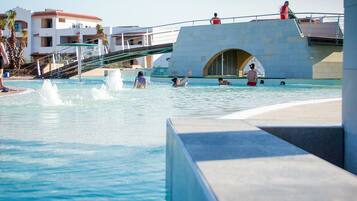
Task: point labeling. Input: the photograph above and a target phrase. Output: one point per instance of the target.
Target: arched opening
(20, 25)
(231, 63)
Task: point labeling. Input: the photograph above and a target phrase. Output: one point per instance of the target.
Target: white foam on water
(16, 175)
(49, 162)
(101, 94)
(49, 94)
(47, 149)
(114, 81)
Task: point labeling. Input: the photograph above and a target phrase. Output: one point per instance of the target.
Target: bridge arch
(234, 63)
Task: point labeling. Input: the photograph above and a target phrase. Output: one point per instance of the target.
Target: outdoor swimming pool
(89, 143)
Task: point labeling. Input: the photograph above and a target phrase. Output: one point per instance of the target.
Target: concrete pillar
(349, 91)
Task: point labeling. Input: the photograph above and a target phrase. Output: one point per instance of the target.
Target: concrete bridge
(286, 49)
(303, 48)
(94, 62)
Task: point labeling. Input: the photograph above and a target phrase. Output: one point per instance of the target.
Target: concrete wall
(329, 67)
(183, 180)
(349, 95)
(277, 44)
(324, 142)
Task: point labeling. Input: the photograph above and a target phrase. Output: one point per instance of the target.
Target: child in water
(221, 81)
(179, 83)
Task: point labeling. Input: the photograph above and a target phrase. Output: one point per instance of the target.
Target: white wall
(161, 60)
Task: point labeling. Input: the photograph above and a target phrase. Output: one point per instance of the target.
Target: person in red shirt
(284, 11)
(215, 19)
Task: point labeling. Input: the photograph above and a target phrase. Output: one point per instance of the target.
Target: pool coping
(246, 114)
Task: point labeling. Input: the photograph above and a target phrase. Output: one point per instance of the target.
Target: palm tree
(3, 23)
(103, 37)
(11, 41)
(14, 49)
(20, 49)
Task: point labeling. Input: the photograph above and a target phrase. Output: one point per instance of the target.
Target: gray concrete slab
(238, 161)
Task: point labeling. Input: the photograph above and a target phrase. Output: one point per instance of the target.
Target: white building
(47, 29)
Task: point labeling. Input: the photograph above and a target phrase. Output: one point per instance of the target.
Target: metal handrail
(236, 17)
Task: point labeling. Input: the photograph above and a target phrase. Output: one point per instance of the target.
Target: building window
(17, 27)
(20, 25)
(46, 41)
(69, 39)
(62, 20)
(46, 23)
(118, 41)
(133, 62)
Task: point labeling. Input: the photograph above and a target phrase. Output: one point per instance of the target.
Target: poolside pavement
(319, 113)
(12, 91)
(239, 159)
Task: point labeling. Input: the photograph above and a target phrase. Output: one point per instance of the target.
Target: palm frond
(3, 23)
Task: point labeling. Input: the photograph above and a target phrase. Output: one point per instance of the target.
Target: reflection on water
(31, 170)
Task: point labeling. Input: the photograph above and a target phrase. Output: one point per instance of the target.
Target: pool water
(94, 144)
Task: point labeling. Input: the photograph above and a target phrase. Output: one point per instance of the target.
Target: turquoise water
(111, 146)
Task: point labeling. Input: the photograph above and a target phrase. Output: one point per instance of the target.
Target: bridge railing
(168, 33)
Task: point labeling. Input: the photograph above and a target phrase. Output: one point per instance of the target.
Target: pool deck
(12, 91)
(319, 113)
(239, 159)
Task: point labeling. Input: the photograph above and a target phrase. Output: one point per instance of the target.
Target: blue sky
(155, 12)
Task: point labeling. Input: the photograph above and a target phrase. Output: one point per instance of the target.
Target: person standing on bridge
(284, 11)
(215, 19)
(4, 61)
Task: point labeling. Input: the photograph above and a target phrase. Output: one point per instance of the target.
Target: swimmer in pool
(179, 83)
(140, 81)
(221, 81)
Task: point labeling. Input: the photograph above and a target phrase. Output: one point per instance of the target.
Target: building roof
(60, 13)
(129, 33)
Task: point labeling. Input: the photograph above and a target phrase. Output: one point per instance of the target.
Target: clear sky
(156, 12)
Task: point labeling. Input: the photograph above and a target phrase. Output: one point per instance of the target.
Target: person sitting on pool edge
(252, 76)
(140, 81)
(179, 83)
(221, 81)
